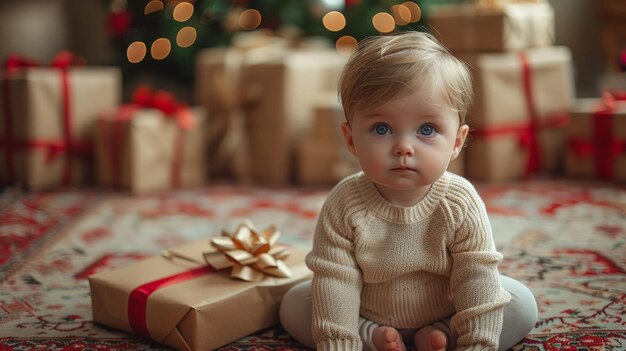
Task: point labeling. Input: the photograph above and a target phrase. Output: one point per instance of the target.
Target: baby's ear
(459, 141)
(347, 136)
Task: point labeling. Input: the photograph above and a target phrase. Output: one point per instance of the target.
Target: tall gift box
(219, 91)
(521, 107)
(181, 302)
(287, 89)
(150, 151)
(508, 27)
(596, 140)
(47, 118)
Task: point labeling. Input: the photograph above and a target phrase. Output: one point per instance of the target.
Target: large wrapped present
(181, 301)
(596, 140)
(151, 145)
(521, 106)
(288, 89)
(510, 27)
(47, 118)
(260, 100)
(219, 90)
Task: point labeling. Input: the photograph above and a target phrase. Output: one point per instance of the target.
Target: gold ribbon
(251, 254)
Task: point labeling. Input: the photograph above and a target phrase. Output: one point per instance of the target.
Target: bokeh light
(160, 48)
(345, 45)
(136, 52)
(183, 11)
(250, 19)
(401, 14)
(153, 6)
(416, 12)
(334, 21)
(186, 37)
(384, 22)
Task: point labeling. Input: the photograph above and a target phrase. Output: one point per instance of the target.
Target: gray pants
(520, 316)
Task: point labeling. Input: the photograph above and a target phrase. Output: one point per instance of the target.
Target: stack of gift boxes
(523, 86)
(259, 102)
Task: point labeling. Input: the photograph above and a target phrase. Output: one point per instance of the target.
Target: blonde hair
(384, 66)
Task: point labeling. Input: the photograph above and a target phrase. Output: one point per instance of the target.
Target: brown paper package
(148, 151)
(500, 102)
(510, 27)
(199, 314)
(36, 105)
(582, 127)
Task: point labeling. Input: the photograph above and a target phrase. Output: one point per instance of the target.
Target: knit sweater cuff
(339, 345)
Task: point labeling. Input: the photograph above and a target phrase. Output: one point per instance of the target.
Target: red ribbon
(603, 144)
(145, 97)
(55, 148)
(527, 133)
(138, 298)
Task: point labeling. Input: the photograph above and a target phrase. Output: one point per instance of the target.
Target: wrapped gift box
(596, 140)
(149, 151)
(219, 90)
(288, 89)
(510, 27)
(49, 144)
(263, 98)
(521, 106)
(186, 305)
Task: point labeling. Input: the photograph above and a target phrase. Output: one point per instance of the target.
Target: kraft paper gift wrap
(521, 106)
(197, 308)
(260, 99)
(510, 27)
(596, 140)
(150, 152)
(288, 89)
(51, 148)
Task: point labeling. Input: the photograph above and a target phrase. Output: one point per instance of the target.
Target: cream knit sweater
(405, 267)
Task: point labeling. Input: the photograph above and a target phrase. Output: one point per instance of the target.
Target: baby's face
(407, 144)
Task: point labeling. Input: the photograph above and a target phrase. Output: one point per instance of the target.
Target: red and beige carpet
(565, 240)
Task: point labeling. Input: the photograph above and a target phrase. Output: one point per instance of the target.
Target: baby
(403, 252)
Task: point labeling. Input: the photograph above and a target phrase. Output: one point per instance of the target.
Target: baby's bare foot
(387, 339)
(430, 339)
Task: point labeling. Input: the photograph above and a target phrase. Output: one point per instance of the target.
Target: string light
(334, 21)
(416, 11)
(384, 22)
(153, 6)
(345, 45)
(186, 36)
(401, 14)
(250, 19)
(136, 52)
(160, 48)
(183, 11)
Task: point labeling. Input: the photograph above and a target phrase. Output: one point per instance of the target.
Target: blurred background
(264, 72)
(102, 30)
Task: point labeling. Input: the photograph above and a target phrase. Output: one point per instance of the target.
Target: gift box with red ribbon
(596, 139)
(47, 118)
(152, 144)
(520, 111)
(493, 27)
(202, 295)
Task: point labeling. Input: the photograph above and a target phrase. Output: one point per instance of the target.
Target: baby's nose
(403, 148)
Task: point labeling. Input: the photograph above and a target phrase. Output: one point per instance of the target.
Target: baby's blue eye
(381, 129)
(427, 130)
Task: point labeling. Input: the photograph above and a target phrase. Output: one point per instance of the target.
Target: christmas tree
(163, 36)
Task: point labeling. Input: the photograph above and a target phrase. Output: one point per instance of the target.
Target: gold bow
(251, 254)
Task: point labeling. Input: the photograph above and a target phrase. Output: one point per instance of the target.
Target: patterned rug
(565, 240)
